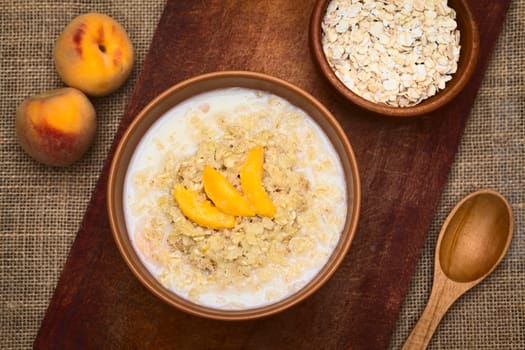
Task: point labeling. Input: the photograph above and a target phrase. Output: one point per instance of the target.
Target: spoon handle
(444, 293)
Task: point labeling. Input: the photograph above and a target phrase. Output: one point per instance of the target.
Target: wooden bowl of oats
(399, 59)
(233, 195)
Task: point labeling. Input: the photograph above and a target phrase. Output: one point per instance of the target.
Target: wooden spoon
(472, 242)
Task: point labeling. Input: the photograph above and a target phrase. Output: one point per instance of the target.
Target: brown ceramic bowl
(181, 92)
(469, 41)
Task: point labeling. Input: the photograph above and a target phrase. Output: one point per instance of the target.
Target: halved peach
(251, 182)
(200, 210)
(222, 193)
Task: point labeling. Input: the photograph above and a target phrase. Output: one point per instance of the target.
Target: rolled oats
(396, 52)
(301, 178)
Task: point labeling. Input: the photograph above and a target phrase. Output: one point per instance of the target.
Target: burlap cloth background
(41, 208)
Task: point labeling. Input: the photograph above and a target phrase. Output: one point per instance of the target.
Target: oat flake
(396, 53)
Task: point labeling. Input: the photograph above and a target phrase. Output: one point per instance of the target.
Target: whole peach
(57, 127)
(94, 54)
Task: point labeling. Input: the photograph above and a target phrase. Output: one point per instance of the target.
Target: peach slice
(94, 54)
(251, 182)
(222, 193)
(200, 210)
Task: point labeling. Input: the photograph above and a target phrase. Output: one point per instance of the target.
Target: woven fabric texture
(41, 208)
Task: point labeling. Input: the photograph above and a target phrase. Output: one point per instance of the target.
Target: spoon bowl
(475, 237)
(473, 241)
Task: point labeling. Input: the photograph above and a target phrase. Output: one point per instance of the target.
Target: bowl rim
(117, 174)
(429, 105)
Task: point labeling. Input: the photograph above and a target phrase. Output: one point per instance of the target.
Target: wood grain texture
(98, 303)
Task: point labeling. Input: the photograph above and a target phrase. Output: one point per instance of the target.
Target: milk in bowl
(194, 188)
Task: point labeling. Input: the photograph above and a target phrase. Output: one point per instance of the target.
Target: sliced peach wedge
(222, 193)
(251, 182)
(200, 210)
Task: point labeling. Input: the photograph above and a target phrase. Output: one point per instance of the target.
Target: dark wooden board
(99, 304)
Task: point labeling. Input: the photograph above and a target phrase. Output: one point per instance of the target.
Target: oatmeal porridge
(257, 256)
